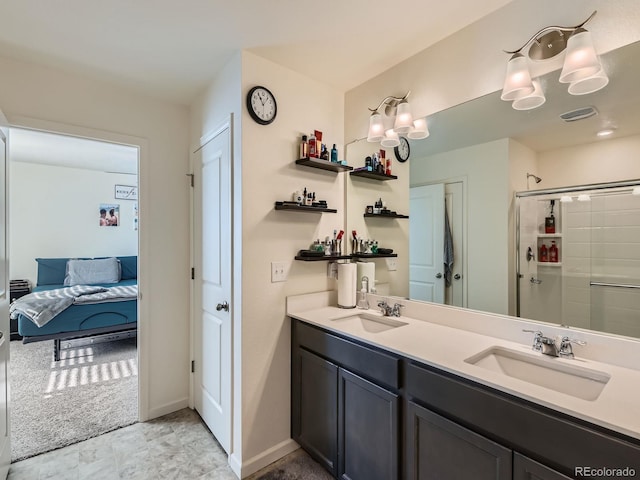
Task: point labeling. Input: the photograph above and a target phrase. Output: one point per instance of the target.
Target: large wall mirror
(478, 155)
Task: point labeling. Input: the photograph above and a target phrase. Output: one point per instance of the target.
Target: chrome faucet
(560, 347)
(389, 311)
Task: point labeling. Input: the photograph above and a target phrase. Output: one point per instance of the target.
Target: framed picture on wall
(126, 192)
(109, 215)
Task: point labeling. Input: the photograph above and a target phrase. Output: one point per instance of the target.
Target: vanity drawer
(369, 362)
(557, 440)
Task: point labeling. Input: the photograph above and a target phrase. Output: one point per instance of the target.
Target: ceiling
(33, 146)
(488, 118)
(174, 49)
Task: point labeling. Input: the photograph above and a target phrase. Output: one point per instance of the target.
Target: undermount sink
(368, 322)
(553, 373)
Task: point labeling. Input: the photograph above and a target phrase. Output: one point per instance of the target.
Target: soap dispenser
(363, 303)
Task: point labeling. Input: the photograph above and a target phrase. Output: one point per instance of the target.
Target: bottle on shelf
(550, 221)
(553, 252)
(543, 256)
(304, 147)
(334, 154)
(313, 153)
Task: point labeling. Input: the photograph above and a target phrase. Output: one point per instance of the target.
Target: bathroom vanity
(433, 395)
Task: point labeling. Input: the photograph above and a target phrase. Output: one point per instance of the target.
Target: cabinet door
(368, 430)
(315, 407)
(439, 449)
(526, 469)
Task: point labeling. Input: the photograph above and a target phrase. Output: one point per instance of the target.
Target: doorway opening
(73, 233)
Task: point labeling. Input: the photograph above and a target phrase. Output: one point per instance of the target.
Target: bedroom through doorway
(73, 264)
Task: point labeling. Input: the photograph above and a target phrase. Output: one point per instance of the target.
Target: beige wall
(266, 155)
(484, 170)
(598, 162)
(79, 104)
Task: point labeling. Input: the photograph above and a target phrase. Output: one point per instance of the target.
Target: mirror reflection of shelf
(304, 208)
(384, 215)
(372, 175)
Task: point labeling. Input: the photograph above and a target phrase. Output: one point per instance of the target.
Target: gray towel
(448, 249)
(41, 307)
(121, 293)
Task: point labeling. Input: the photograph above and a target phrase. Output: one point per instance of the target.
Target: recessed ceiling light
(605, 132)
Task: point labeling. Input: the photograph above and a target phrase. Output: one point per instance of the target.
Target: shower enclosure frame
(555, 191)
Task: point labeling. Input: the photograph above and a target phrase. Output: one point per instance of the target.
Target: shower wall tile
(577, 219)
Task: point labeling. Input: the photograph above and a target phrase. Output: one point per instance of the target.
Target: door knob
(223, 306)
(438, 275)
(457, 276)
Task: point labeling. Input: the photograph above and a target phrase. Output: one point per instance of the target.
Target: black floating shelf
(323, 164)
(305, 208)
(323, 258)
(372, 175)
(384, 215)
(373, 255)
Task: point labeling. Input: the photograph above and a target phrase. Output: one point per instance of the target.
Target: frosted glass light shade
(517, 82)
(566, 199)
(404, 119)
(390, 139)
(419, 130)
(636, 191)
(584, 198)
(531, 101)
(590, 84)
(581, 60)
(376, 128)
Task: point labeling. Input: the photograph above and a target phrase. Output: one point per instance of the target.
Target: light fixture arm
(390, 101)
(550, 29)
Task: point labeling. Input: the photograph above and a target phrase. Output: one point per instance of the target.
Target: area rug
(90, 391)
(295, 466)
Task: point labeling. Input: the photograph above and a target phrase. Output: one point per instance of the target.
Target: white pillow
(91, 272)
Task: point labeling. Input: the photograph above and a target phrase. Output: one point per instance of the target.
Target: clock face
(262, 105)
(402, 151)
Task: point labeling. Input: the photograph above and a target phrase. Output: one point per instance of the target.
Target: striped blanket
(41, 307)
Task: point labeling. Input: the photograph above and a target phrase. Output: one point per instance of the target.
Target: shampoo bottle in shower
(543, 256)
(550, 221)
(553, 252)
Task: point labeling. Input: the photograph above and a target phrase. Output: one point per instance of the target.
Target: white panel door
(426, 243)
(212, 281)
(5, 446)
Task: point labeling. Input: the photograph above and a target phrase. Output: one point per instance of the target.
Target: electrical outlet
(332, 270)
(392, 264)
(279, 271)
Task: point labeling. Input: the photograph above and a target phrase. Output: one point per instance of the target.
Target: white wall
(598, 162)
(54, 213)
(485, 171)
(265, 172)
(78, 104)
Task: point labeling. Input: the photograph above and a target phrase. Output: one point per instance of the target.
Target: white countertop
(444, 347)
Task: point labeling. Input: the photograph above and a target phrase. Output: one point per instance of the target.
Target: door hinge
(193, 366)
(193, 273)
(190, 175)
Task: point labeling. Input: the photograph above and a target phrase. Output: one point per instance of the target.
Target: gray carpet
(90, 391)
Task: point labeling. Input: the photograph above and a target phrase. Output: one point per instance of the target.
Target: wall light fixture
(582, 68)
(399, 121)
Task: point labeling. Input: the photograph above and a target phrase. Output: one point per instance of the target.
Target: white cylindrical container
(367, 269)
(347, 273)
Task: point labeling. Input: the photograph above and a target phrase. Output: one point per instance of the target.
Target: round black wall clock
(402, 151)
(262, 105)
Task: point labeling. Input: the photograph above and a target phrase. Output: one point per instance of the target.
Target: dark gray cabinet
(368, 414)
(439, 449)
(315, 396)
(526, 469)
(345, 410)
(368, 429)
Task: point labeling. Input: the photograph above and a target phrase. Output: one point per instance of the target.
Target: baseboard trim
(263, 459)
(167, 408)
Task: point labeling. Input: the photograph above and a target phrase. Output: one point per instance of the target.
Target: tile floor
(176, 446)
